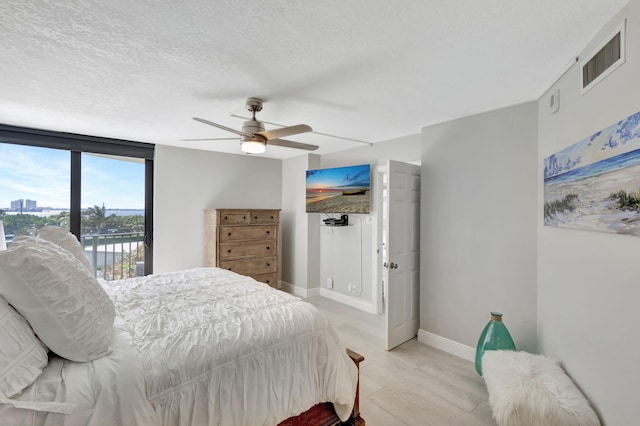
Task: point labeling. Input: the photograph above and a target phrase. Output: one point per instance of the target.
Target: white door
(403, 253)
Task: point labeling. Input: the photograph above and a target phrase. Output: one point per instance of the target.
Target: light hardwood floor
(413, 384)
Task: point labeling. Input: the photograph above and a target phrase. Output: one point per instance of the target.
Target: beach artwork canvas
(595, 184)
(339, 190)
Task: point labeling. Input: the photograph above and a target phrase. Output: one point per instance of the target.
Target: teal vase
(494, 336)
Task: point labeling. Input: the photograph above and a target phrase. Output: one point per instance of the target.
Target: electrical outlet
(349, 288)
(329, 282)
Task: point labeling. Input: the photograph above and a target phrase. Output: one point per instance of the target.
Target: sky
(619, 138)
(43, 175)
(340, 177)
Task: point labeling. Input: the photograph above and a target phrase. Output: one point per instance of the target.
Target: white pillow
(67, 241)
(62, 301)
(22, 355)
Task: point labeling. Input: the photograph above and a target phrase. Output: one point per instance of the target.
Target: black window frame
(77, 144)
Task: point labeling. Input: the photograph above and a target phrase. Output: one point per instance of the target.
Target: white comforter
(201, 347)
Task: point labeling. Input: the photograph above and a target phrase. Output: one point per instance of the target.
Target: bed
(199, 347)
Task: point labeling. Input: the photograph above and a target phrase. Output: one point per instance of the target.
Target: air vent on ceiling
(606, 58)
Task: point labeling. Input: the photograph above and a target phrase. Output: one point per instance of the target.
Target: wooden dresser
(244, 241)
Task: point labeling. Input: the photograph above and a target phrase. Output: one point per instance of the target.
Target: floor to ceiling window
(99, 189)
(34, 188)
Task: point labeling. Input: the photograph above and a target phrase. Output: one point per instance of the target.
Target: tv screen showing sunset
(339, 190)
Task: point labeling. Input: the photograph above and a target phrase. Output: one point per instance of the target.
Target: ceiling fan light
(253, 147)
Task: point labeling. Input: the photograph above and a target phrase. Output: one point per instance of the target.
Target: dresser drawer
(240, 233)
(271, 279)
(247, 249)
(264, 217)
(234, 217)
(260, 265)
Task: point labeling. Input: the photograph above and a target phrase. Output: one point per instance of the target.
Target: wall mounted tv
(339, 190)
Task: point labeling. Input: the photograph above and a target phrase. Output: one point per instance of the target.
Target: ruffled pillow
(62, 301)
(22, 355)
(67, 241)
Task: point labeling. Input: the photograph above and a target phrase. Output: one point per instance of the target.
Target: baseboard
(348, 300)
(329, 294)
(299, 291)
(447, 345)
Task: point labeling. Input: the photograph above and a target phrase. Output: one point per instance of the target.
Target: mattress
(202, 346)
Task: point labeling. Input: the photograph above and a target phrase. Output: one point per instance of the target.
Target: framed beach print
(595, 183)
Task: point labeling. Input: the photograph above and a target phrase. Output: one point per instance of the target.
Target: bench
(533, 390)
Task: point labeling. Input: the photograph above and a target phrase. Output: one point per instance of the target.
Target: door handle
(390, 265)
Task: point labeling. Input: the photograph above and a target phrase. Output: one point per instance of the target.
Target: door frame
(379, 274)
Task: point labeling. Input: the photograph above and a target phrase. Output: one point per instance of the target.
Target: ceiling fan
(254, 138)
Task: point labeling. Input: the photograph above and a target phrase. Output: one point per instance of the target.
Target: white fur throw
(533, 390)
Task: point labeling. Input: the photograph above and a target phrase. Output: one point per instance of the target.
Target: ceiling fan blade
(228, 129)
(291, 144)
(316, 132)
(285, 131)
(210, 139)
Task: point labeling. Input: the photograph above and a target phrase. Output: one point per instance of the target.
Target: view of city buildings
(24, 205)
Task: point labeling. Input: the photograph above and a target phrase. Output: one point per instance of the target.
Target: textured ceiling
(370, 70)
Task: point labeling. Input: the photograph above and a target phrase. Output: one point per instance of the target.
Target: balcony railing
(115, 256)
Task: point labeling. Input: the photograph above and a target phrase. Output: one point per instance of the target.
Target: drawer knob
(229, 268)
(225, 218)
(268, 264)
(268, 248)
(268, 281)
(255, 217)
(268, 232)
(271, 217)
(229, 251)
(229, 233)
(244, 217)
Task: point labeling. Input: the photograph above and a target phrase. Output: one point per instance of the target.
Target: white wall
(406, 148)
(346, 257)
(187, 181)
(478, 225)
(588, 286)
(300, 231)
